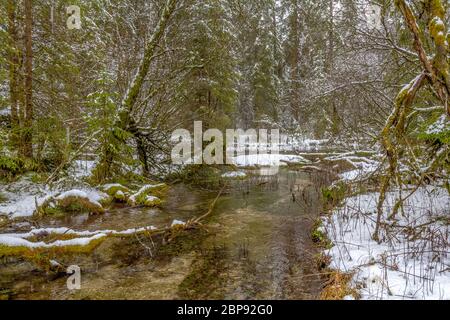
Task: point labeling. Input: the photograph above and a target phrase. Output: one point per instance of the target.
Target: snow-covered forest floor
(412, 261)
(21, 197)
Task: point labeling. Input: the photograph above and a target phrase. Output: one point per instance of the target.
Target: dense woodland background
(317, 69)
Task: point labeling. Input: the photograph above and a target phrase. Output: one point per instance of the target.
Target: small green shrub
(334, 194)
(319, 237)
(203, 176)
(11, 167)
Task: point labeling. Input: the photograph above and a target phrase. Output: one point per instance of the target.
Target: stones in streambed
(177, 223)
(73, 201)
(149, 195)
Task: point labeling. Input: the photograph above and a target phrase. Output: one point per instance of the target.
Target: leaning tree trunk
(134, 89)
(125, 119)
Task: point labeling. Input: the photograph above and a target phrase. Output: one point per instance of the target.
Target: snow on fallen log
(9, 241)
(81, 238)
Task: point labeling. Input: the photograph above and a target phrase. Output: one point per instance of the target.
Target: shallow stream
(256, 245)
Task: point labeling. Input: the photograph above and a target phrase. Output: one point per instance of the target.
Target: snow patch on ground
(364, 166)
(83, 168)
(23, 196)
(413, 260)
(267, 160)
(234, 174)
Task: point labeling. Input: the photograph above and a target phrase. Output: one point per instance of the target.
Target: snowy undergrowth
(363, 166)
(83, 168)
(412, 261)
(24, 195)
(301, 144)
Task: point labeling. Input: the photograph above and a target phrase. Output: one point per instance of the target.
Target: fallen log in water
(49, 243)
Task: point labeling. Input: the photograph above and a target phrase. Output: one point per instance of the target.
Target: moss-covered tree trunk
(437, 67)
(135, 87)
(125, 119)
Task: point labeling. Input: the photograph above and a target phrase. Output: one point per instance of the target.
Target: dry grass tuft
(338, 286)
